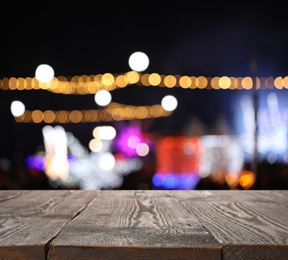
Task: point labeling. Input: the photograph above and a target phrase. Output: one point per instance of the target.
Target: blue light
(157, 179)
(35, 162)
(170, 181)
(179, 181)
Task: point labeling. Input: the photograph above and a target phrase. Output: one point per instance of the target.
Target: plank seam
(49, 242)
(205, 228)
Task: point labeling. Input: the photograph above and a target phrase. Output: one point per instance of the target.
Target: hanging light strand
(83, 85)
(113, 112)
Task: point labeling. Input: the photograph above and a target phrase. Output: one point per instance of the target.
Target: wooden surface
(144, 225)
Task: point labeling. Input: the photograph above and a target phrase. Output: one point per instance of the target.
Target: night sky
(78, 38)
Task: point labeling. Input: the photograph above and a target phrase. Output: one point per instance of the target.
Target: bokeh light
(142, 149)
(169, 103)
(103, 98)
(44, 73)
(17, 108)
(138, 61)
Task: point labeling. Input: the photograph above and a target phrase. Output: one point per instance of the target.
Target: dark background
(185, 38)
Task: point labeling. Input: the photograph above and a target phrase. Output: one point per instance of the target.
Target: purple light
(35, 162)
(176, 181)
(127, 140)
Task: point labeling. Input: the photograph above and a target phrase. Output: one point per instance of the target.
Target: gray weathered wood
(135, 225)
(143, 224)
(30, 221)
(10, 194)
(247, 225)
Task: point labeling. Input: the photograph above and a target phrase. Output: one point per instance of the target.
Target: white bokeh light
(103, 98)
(107, 161)
(142, 149)
(138, 61)
(169, 103)
(44, 73)
(17, 108)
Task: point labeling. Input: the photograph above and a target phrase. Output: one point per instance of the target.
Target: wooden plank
(29, 222)
(131, 225)
(10, 194)
(275, 196)
(245, 223)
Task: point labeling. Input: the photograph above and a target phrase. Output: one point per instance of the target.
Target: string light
(114, 111)
(83, 85)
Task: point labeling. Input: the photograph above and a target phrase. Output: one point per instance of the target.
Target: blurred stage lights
(17, 108)
(138, 61)
(44, 73)
(169, 103)
(103, 98)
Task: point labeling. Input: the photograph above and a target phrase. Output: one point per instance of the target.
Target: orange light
(132, 77)
(247, 179)
(107, 79)
(185, 82)
(247, 83)
(154, 79)
(170, 81)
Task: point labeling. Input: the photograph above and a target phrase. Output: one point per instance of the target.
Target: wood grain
(135, 226)
(30, 221)
(10, 194)
(143, 225)
(244, 223)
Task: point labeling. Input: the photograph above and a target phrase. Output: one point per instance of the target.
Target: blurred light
(95, 145)
(224, 82)
(157, 179)
(132, 77)
(180, 181)
(247, 179)
(60, 165)
(154, 79)
(247, 83)
(185, 82)
(142, 149)
(170, 181)
(133, 141)
(107, 79)
(37, 116)
(35, 162)
(201, 82)
(232, 179)
(169, 103)
(121, 81)
(103, 98)
(104, 132)
(44, 73)
(17, 108)
(138, 61)
(170, 81)
(107, 161)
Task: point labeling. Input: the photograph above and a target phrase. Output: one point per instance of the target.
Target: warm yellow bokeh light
(224, 82)
(107, 79)
(121, 81)
(247, 83)
(170, 81)
(132, 77)
(201, 82)
(185, 82)
(278, 83)
(37, 116)
(154, 79)
(215, 83)
(49, 116)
